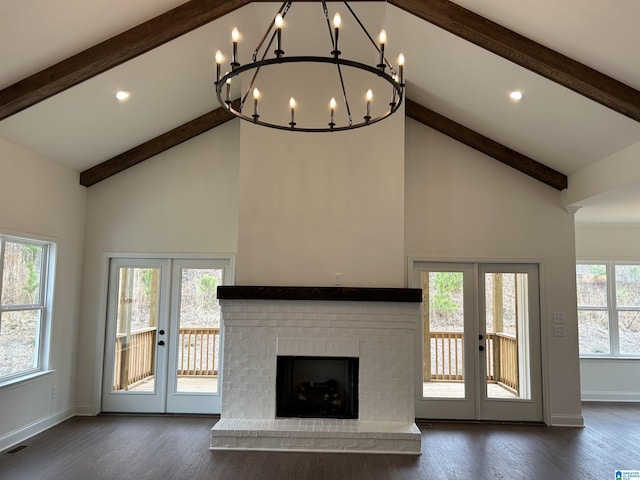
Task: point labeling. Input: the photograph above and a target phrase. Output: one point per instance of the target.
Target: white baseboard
(567, 421)
(20, 435)
(610, 396)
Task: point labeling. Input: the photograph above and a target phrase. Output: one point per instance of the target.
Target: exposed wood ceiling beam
(487, 146)
(423, 115)
(443, 13)
(527, 53)
(112, 52)
(154, 146)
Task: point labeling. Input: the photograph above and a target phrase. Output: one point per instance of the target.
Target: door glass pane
(507, 335)
(135, 338)
(443, 338)
(199, 331)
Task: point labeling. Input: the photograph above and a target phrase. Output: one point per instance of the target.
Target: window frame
(43, 305)
(611, 308)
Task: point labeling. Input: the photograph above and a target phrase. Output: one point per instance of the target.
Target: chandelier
(354, 98)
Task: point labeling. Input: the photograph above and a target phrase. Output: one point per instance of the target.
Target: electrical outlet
(337, 279)
(54, 391)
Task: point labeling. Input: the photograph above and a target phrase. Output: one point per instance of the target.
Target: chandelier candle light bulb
(292, 104)
(369, 97)
(401, 69)
(228, 101)
(332, 107)
(218, 62)
(279, 21)
(235, 36)
(382, 38)
(256, 96)
(337, 22)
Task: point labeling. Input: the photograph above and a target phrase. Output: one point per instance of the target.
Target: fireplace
(365, 339)
(317, 387)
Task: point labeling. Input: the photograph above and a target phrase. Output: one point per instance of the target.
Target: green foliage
(597, 270)
(32, 281)
(445, 285)
(209, 286)
(146, 277)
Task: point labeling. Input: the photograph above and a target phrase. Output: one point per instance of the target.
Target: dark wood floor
(170, 447)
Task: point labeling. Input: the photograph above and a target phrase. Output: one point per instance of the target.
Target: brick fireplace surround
(376, 325)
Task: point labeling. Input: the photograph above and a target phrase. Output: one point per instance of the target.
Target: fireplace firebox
(317, 387)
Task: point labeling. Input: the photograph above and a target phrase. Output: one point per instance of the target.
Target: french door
(480, 342)
(163, 338)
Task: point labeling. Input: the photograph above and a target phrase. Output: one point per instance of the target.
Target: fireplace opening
(317, 387)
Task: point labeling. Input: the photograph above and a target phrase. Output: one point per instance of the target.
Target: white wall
(462, 205)
(181, 201)
(316, 204)
(458, 205)
(42, 198)
(609, 379)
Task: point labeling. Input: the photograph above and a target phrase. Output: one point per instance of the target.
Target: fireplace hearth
(312, 345)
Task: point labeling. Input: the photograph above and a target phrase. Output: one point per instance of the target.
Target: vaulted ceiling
(575, 60)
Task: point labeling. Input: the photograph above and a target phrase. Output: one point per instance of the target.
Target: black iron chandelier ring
(224, 96)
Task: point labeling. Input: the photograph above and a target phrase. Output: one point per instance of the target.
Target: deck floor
(456, 390)
(185, 385)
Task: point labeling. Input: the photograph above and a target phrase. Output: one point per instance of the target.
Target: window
(609, 308)
(24, 292)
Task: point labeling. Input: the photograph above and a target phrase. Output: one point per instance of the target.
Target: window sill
(19, 381)
(610, 357)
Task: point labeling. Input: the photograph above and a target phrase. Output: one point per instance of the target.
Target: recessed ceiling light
(516, 95)
(122, 95)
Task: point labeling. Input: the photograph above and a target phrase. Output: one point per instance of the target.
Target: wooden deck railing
(447, 357)
(134, 358)
(198, 353)
(198, 350)
(506, 358)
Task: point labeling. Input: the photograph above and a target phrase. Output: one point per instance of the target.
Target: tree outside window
(608, 309)
(23, 273)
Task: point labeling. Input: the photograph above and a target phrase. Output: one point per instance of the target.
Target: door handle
(161, 343)
(161, 332)
(481, 348)
(480, 337)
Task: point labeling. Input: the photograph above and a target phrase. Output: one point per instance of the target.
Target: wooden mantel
(346, 294)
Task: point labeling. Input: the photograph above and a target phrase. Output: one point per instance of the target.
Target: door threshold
(158, 414)
(427, 421)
